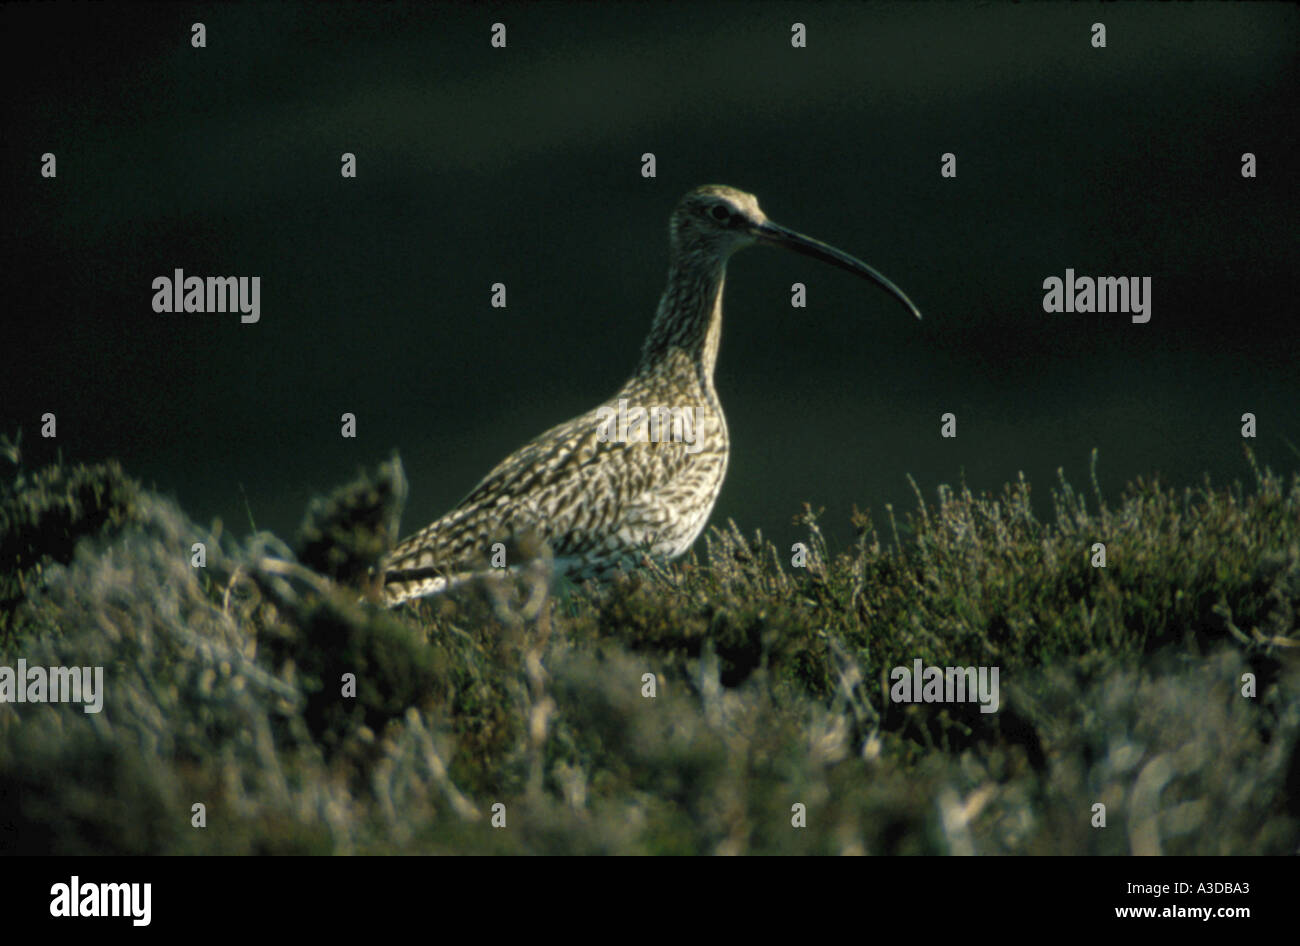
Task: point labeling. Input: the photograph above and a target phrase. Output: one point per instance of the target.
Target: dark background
(478, 165)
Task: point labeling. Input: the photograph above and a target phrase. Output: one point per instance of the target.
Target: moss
(345, 534)
(389, 666)
(44, 515)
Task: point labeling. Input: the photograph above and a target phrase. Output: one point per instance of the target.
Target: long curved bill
(778, 235)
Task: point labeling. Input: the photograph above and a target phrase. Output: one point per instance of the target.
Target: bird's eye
(720, 213)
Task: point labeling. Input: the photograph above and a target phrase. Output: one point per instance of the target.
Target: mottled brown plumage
(602, 503)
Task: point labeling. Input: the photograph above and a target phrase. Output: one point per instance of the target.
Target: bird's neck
(688, 325)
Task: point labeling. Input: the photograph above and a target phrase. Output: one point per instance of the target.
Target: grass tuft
(227, 685)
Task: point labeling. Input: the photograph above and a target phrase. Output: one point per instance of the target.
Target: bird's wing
(567, 486)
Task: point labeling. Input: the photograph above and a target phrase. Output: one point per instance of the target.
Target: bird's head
(715, 221)
(712, 222)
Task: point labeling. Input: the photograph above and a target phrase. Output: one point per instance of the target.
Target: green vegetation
(1120, 685)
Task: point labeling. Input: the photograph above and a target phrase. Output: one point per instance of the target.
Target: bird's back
(596, 500)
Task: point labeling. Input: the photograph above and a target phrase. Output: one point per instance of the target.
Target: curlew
(638, 475)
